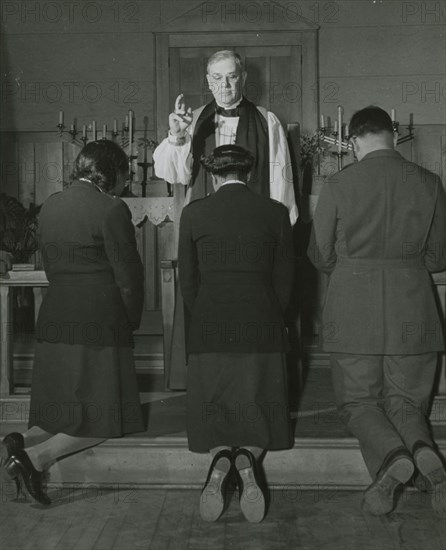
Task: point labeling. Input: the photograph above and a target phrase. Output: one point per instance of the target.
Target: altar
(155, 220)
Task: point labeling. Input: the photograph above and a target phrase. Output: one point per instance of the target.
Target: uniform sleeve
(188, 271)
(281, 177)
(122, 253)
(284, 263)
(321, 249)
(435, 255)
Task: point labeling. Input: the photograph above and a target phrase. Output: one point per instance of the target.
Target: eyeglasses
(234, 77)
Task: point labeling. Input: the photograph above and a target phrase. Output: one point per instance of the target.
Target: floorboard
(170, 520)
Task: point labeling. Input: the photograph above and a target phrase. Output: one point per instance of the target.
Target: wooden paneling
(48, 162)
(26, 173)
(109, 80)
(430, 149)
(373, 40)
(405, 94)
(9, 166)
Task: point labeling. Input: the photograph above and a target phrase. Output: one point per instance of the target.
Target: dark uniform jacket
(235, 269)
(379, 228)
(95, 294)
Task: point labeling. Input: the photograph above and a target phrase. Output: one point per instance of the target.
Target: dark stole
(252, 133)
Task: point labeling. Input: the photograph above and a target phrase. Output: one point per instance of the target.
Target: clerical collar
(231, 110)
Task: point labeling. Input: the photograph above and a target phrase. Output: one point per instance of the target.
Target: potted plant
(18, 239)
(18, 228)
(311, 154)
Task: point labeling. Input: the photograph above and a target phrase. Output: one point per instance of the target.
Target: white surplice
(173, 162)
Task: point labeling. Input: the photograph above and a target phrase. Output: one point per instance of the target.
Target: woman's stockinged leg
(46, 453)
(224, 463)
(242, 461)
(35, 435)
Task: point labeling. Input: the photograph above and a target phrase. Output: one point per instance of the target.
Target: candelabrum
(125, 138)
(408, 137)
(145, 144)
(338, 138)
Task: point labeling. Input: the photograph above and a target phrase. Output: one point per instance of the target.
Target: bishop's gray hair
(226, 54)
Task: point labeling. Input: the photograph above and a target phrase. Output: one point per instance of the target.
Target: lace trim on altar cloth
(155, 209)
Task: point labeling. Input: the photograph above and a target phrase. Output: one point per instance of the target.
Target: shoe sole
(401, 470)
(379, 499)
(431, 466)
(253, 507)
(427, 461)
(212, 500)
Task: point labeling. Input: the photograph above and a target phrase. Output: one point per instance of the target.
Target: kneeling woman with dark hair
(236, 267)
(84, 386)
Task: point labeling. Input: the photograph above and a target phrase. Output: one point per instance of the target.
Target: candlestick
(130, 116)
(126, 137)
(340, 129)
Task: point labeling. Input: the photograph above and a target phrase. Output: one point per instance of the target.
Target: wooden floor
(126, 519)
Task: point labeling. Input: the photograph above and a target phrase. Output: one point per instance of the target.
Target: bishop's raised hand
(181, 118)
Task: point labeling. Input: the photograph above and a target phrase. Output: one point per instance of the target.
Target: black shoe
(212, 498)
(12, 443)
(252, 498)
(20, 467)
(431, 467)
(398, 468)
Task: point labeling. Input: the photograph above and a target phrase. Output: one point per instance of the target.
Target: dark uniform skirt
(85, 391)
(236, 400)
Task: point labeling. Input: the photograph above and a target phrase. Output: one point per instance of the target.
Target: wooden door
(274, 82)
(274, 77)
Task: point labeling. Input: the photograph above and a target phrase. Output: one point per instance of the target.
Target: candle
(72, 127)
(104, 131)
(60, 117)
(115, 126)
(322, 121)
(340, 128)
(130, 132)
(335, 126)
(346, 131)
(393, 115)
(126, 121)
(84, 131)
(94, 130)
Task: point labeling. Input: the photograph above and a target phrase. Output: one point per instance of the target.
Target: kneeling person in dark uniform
(379, 229)
(236, 270)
